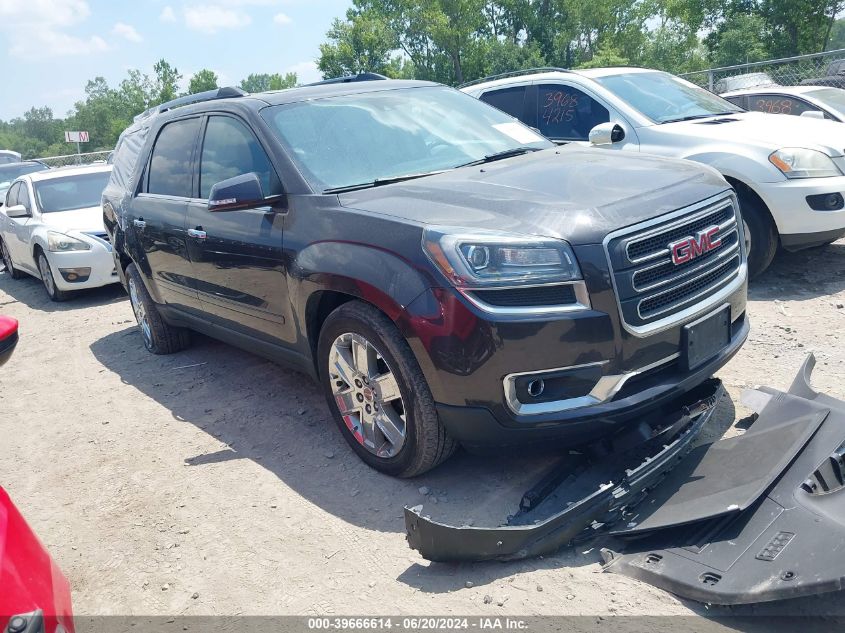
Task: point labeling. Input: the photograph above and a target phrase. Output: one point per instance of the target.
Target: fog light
(536, 388)
(826, 202)
(75, 275)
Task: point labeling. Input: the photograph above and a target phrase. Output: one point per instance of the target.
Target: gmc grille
(651, 287)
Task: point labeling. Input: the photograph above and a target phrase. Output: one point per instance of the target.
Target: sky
(49, 49)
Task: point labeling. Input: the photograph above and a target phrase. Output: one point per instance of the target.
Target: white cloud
(36, 29)
(211, 18)
(282, 19)
(306, 72)
(167, 14)
(127, 31)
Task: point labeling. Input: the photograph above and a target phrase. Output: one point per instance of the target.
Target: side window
(12, 195)
(739, 100)
(230, 149)
(510, 100)
(779, 104)
(170, 165)
(23, 196)
(566, 113)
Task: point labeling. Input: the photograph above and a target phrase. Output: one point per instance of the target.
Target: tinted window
(230, 149)
(510, 100)
(359, 138)
(567, 113)
(779, 104)
(740, 101)
(170, 165)
(71, 192)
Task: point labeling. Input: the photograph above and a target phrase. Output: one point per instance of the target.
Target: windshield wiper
(692, 117)
(508, 153)
(378, 182)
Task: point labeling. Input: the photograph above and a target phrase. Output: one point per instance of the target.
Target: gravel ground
(213, 482)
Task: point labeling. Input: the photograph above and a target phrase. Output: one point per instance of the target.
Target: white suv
(787, 171)
(51, 226)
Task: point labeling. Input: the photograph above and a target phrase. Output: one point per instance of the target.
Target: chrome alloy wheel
(46, 274)
(367, 395)
(140, 313)
(7, 259)
(747, 233)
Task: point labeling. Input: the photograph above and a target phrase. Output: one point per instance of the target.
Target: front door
(157, 218)
(19, 238)
(237, 255)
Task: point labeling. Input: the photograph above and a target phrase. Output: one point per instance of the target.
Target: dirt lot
(213, 482)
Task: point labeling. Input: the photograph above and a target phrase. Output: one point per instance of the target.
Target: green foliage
(203, 80)
(263, 82)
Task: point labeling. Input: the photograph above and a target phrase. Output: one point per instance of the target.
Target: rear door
(158, 214)
(237, 255)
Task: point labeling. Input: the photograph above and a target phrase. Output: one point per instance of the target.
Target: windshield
(366, 137)
(664, 98)
(832, 97)
(9, 172)
(70, 192)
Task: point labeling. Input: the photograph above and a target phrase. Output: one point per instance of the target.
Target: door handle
(197, 233)
(139, 223)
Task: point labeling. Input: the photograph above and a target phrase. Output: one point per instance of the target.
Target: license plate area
(705, 338)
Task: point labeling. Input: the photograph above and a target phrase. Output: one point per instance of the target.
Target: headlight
(795, 162)
(61, 243)
(489, 258)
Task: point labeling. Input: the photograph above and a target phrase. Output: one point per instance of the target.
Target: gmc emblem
(688, 248)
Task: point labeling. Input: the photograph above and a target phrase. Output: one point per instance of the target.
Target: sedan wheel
(47, 278)
(7, 261)
(367, 395)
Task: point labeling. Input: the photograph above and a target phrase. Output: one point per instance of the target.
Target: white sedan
(51, 227)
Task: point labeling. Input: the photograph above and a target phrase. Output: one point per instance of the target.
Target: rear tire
(761, 234)
(13, 272)
(48, 279)
(159, 337)
(423, 442)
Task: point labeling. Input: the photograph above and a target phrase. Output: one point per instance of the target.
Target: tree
(166, 83)
(359, 44)
(262, 82)
(202, 80)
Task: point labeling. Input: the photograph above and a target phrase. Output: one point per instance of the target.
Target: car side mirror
(813, 114)
(18, 211)
(606, 134)
(240, 192)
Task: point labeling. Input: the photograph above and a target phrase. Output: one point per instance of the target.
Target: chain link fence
(820, 69)
(87, 158)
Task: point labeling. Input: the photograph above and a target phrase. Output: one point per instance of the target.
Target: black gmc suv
(447, 274)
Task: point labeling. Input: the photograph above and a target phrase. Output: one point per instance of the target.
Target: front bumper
(467, 356)
(98, 260)
(798, 224)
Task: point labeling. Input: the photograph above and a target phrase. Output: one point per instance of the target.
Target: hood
(770, 131)
(89, 219)
(572, 193)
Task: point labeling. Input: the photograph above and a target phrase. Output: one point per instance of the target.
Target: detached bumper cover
(790, 542)
(590, 494)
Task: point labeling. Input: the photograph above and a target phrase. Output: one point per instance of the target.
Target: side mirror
(18, 211)
(240, 192)
(606, 134)
(813, 114)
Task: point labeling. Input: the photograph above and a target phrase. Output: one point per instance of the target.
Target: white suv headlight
(477, 259)
(61, 243)
(795, 162)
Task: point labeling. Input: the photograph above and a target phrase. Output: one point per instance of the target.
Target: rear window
(9, 172)
(70, 192)
(125, 156)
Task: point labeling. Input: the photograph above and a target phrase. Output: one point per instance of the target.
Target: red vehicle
(34, 594)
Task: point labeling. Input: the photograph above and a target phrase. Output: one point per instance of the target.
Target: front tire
(159, 337)
(761, 235)
(13, 272)
(48, 280)
(377, 393)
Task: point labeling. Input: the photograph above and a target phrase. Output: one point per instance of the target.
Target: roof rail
(350, 79)
(516, 73)
(226, 92)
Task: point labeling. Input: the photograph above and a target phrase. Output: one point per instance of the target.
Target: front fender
(743, 166)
